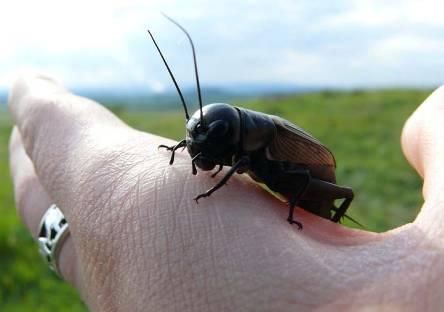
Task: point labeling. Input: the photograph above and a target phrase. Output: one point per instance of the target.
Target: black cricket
(270, 149)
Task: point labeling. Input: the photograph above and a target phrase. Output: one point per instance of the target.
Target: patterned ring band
(53, 231)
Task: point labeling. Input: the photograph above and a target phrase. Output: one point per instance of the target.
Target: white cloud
(393, 48)
(103, 43)
(390, 13)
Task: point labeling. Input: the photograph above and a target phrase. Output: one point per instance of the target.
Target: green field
(362, 128)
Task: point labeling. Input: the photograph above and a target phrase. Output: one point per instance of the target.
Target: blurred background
(349, 72)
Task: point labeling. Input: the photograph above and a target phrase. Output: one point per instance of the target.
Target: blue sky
(104, 44)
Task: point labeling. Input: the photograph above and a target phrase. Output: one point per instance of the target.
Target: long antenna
(354, 221)
(195, 65)
(172, 76)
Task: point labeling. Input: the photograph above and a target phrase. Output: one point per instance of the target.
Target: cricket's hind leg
(323, 191)
(320, 208)
(318, 196)
(340, 212)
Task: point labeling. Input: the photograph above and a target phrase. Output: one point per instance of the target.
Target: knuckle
(45, 122)
(58, 118)
(35, 119)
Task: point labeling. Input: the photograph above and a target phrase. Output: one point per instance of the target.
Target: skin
(140, 243)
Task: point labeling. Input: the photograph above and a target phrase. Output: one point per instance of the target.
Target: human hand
(139, 242)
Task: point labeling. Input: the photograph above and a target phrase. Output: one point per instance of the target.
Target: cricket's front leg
(173, 149)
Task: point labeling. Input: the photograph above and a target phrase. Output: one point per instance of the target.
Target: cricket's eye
(217, 129)
(200, 128)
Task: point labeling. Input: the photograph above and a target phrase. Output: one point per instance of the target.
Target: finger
(44, 112)
(423, 144)
(32, 201)
(58, 130)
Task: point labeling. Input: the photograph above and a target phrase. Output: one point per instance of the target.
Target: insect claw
(299, 224)
(197, 198)
(169, 148)
(200, 196)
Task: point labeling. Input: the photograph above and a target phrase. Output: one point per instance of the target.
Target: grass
(362, 128)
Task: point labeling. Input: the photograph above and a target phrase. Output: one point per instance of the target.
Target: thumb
(423, 145)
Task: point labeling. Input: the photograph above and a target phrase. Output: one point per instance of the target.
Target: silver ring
(53, 231)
